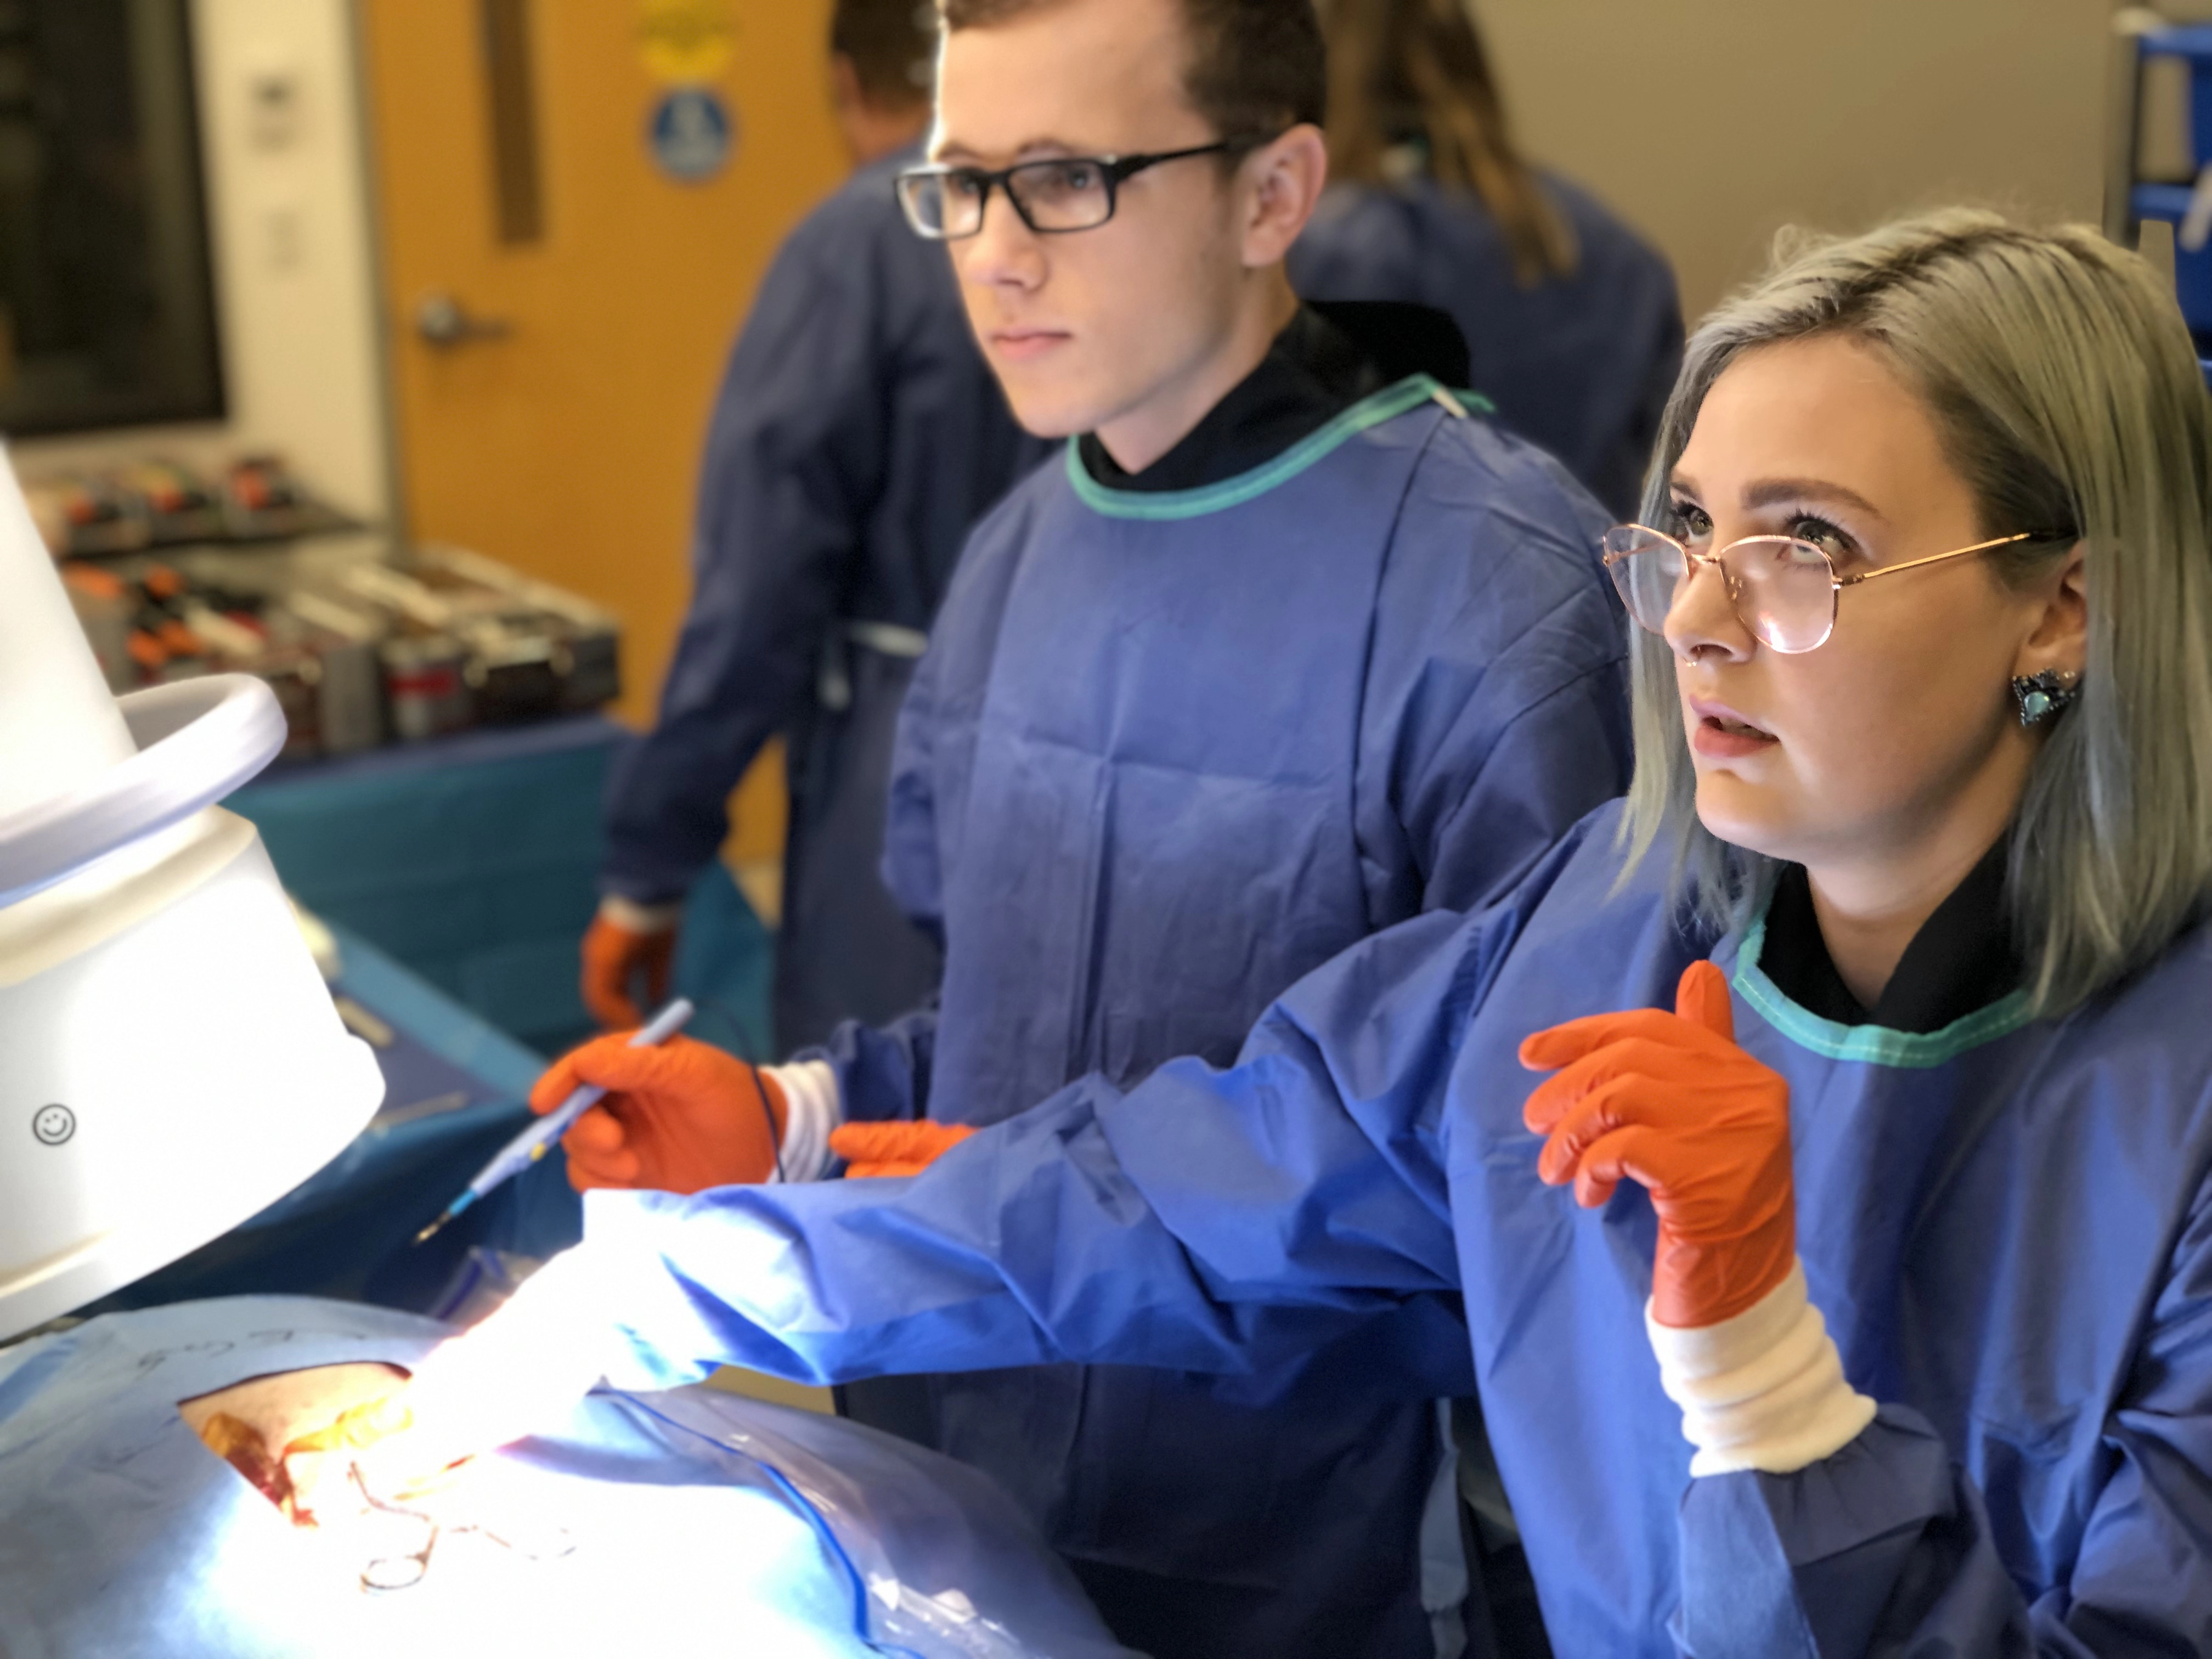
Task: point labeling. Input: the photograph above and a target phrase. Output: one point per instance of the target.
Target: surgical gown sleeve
(795, 456)
(1886, 1548)
(1206, 1219)
(1497, 709)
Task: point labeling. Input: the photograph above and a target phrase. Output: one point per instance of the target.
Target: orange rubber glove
(616, 959)
(1670, 1101)
(899, 1148)
(679, 1118)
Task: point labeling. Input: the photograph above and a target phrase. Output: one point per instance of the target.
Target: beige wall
(295, 283)
(1705, 123)
(1709, 123)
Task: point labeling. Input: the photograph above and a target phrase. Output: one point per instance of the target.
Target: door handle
(444, 322)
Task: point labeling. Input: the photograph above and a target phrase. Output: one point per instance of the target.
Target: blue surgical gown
(2008, 1224)
(1582, 365)
(857, 438)
(1168, 752)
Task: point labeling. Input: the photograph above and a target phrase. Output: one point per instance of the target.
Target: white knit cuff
(634, 918)
(812, 1111)
(1764, 1390)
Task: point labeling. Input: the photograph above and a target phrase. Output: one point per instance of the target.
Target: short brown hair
(1257, 67)
(892, 46)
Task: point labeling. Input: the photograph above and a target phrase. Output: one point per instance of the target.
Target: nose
(1703, 616)
(1005, 253)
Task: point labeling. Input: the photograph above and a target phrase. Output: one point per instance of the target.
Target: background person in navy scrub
(1573, 327)
(857, 438)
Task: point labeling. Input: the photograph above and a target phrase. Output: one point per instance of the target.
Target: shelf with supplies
(155, 502)
(364, 643)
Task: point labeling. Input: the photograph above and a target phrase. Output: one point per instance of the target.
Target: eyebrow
(952, 151)
(1769, 491)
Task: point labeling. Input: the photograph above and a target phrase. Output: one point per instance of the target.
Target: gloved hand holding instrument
(557, 1117)
(680, 1117)
(684, 1116)
(1670, 1101)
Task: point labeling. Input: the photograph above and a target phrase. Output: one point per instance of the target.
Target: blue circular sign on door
(691, 134)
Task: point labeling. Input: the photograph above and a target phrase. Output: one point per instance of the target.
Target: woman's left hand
(1669, 1101)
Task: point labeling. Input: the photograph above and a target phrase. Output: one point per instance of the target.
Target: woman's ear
(2060, 639)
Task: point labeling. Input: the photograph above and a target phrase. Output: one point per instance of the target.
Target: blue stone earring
(2050, 692)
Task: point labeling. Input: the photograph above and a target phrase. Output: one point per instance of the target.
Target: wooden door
(586, 296)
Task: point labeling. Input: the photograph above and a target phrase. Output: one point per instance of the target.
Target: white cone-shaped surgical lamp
(170, 1062)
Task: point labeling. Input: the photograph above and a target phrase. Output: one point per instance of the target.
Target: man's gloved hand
(1670, 1101)
(517, 1373)
(623, 949)
(899, 1148)
(679, 1118)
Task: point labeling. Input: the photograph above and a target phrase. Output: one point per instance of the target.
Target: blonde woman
(1817, 1145)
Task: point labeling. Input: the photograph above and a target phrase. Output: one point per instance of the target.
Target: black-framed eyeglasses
(1072, 192)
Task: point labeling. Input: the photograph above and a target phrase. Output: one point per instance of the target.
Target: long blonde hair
(2068, 393)
(1401, 67)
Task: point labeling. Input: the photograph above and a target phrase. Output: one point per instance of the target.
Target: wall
(291, 246)
(1708, 123)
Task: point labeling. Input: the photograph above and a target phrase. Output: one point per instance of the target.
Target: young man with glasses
(1289, 646)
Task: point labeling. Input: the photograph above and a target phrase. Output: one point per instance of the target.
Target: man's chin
(1043, 415)
(1055, 398)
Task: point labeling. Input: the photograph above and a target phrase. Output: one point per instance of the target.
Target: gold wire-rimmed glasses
(1783, 589)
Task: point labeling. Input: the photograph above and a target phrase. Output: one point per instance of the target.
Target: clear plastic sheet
(686, 1521)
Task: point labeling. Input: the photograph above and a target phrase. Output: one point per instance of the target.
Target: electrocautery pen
(527, 1148)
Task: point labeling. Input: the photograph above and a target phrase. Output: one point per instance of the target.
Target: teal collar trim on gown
(1370, 411)
(1875, 1045)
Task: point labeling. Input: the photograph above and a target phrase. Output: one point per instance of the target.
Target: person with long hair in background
(1573, 327)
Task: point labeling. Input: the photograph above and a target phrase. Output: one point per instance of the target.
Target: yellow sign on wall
(685, 40)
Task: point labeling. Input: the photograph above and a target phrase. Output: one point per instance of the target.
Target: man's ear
(1282, 182)
(2060, 639)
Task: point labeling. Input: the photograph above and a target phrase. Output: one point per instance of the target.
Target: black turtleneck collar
(1328, 359)
(1960, 961)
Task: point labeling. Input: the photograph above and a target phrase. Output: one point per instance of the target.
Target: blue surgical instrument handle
(527, 1148)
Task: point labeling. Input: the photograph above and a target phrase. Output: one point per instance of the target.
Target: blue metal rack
(2191, 45)
(2192, 267)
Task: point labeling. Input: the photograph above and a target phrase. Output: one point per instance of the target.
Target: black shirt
(1319, 367)
(1960, 961)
